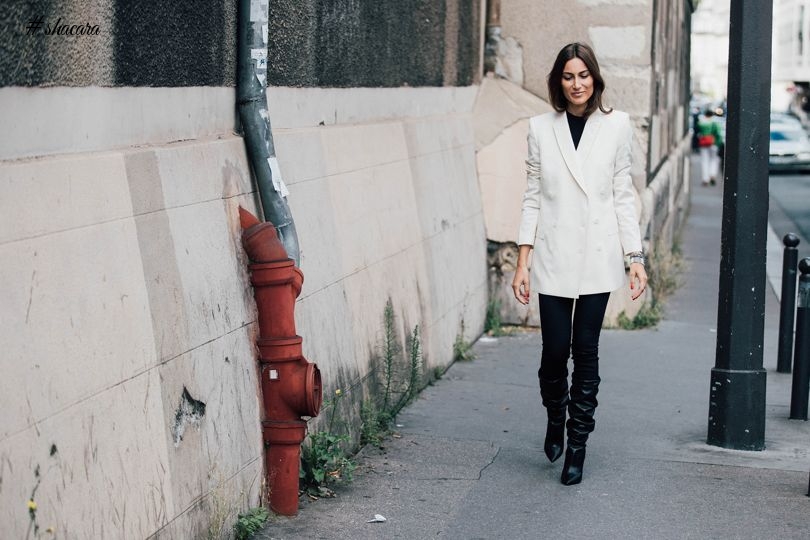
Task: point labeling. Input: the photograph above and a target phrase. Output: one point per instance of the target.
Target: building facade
(791, 58)
(710, 48)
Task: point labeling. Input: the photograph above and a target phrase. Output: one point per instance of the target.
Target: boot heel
(553, 445)
(572, 469)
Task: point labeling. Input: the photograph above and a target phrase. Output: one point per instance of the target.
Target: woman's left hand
(638, 279)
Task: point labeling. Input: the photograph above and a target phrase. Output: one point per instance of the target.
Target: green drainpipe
(251, 98)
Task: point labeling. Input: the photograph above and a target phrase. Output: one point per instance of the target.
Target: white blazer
(579, 210)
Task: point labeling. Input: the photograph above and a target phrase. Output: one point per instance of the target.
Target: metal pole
(251, 97)
(787, 303)
(737, 400)
(801, 356)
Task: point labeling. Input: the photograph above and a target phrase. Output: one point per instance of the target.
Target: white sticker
(258, 10)
(264, 34)
(278, 182)
(260, 55)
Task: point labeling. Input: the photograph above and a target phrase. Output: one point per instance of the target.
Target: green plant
(663, 273)
(492, 323)
(376, 424)
(462, 349)
(324, 460)
(250, 523)
(31, 505)
(649, 315)
(391, 350)
(415, 371)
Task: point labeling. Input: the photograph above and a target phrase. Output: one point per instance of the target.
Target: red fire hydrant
(291, 386)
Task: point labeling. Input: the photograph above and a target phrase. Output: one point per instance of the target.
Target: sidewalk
(469, 463)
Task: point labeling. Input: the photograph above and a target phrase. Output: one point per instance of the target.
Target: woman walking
(578, 222)
(709, 141)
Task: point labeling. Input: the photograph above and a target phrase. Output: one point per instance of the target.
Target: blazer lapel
(563, 135)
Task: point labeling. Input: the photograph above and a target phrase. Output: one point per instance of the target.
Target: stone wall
(379, 43)
(127, 305)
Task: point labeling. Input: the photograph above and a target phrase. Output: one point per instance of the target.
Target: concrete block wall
(384, 193)
(619, 31)
(123, 291)
(126, 301)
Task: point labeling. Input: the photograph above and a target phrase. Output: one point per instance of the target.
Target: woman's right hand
(520, 284)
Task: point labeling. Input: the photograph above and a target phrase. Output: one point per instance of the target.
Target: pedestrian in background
(695, 120)
(578, 223)
(709, 141)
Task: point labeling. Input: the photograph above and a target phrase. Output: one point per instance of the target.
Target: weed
(250, 523)
(649, 315)
(391, 350)
(31, 505)
(219, 508)
(492, 323)
(462, 349)
(376, 424)
(438, 373)
(323, 460)
(663, 272)
(415, 371)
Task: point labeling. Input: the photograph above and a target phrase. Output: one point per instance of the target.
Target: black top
(577, 125)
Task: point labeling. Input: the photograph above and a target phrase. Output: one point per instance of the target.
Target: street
(467, 460)
(789, 209)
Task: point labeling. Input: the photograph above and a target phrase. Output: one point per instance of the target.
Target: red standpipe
(291, 386)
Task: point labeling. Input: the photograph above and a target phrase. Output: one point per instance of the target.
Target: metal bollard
(801, 354)
(787, 305)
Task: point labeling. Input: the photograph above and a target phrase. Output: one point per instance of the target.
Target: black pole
(787, 303)
(737, 401)
(251, 98)
(801, 356)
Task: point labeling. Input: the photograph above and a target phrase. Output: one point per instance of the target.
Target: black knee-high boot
(580, 424)
(555, 399)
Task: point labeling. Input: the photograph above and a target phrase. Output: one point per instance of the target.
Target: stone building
(791, 58)
(125, 296)
(710, 48)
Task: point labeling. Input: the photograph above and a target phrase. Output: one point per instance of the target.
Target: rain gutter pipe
(251, 97)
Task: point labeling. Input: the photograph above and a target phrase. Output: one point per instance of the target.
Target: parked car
(789, 148)
(785, 118)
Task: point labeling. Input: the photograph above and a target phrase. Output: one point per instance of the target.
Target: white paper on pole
(278, 182)
(258, 10)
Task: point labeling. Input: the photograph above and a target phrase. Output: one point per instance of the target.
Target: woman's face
(577, 85)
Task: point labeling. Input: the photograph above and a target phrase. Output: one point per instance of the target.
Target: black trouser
(562, 339)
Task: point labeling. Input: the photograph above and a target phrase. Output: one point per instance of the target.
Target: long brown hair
(555, 91)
